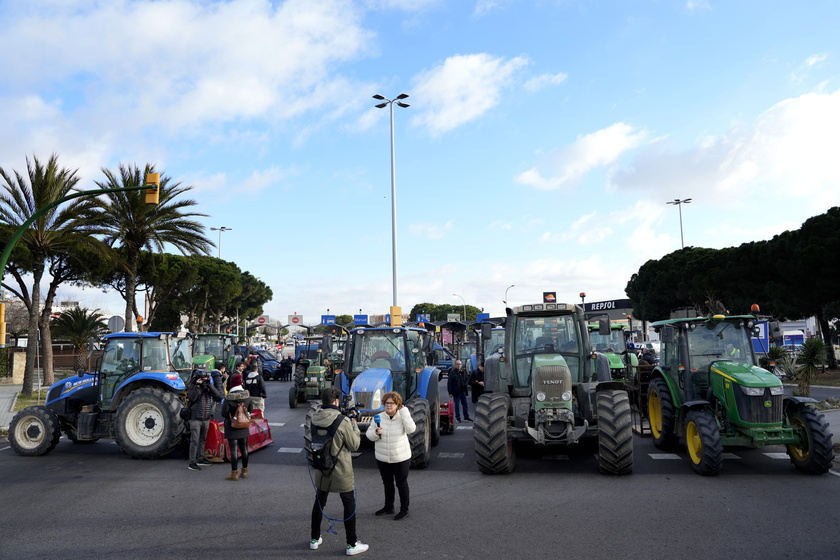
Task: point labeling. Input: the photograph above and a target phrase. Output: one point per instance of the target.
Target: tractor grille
(550, 380)
(753, 409)
(363, 399)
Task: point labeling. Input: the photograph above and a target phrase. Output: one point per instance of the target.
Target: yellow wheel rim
(693, 443)
(797, 453)
(655, 414)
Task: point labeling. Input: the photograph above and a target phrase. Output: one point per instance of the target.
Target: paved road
(92, 500)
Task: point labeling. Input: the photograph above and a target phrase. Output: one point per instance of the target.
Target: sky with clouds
(541, 144)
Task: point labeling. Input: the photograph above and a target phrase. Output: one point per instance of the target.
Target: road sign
(295, 319)
(116, 324)
(328, 319)
(262, 320)
(482, 317)
(424, 318)
(453, 317)
(360, 319)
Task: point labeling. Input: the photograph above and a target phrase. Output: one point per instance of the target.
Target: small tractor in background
(383, 359)
(548, 387)
(213, 349)
(317, 375)
(708, 390)
(623, 362)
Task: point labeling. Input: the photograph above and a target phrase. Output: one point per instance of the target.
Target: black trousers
(349, 501)
(243, 452)
(395, 474)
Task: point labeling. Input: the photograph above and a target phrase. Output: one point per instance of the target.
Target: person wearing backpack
(236, 437)
(393, 451)
(202, 396)
(345, 441)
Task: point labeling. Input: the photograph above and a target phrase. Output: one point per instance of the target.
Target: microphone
(377, 419)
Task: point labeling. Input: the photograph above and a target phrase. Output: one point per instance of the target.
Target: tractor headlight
(540, 396)
(777, 390)
(376, 401)
(566, 396)
(753, 391)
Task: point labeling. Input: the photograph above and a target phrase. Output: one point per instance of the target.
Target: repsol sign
(608, 305)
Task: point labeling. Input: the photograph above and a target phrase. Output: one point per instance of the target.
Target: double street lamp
(221, 230)
(390, 103)
(678, 203)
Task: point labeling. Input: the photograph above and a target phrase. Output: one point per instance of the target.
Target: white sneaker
(313, 545)
(357, 548)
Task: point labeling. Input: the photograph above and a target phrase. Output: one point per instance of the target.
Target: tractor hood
(745, 374)
(369, 387)
(615, 360)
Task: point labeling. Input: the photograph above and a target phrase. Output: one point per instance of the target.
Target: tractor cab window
(120, 361)
(154, 355)
(724, 341)
(378, 349)
(543, 335)
(181, 357)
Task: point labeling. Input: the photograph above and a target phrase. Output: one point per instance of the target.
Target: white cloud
(697, 5)
(570, 163)
(430, 230)
(539, 82)
(815, 59)
(789, 151)
(461, 89)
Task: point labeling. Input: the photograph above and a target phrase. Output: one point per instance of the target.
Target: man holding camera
(340, 480)
(203, 396)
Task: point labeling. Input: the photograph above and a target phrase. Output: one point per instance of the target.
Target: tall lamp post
(465, 306)
(390, 103)
(678, 203)
(221, 230)
(506, 291)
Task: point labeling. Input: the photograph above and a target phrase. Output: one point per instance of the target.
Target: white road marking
(776, 455)
(463, 427)
(451, 455)
(290, 450)
(729, 456)
(556, 457)
(278, 424)
(664, 456)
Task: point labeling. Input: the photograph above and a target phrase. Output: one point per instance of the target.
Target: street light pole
(506, 291)
(390, 103)
(465, 306)
(221, 230)
(678, 203)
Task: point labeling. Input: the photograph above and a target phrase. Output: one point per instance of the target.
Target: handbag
(241, 419)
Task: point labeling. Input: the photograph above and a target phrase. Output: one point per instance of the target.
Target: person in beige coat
(393, 452)
(340, 480)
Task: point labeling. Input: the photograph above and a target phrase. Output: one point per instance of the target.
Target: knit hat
(235, 380)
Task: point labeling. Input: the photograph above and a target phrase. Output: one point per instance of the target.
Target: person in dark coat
(202, 395)
(456, 385)
(237, 437)
(252, 381)
(476, 382)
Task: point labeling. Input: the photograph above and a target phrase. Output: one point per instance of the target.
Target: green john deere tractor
(708, 391)
(623, 363)
(210, 350)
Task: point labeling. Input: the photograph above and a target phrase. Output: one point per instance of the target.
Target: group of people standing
(458, 385)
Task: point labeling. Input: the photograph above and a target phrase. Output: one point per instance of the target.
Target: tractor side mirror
(326, 344)
(486, 331)
(81, 372)
(667, 334)
(604, 326)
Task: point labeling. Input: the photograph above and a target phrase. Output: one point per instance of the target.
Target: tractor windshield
(496, 342)
(723, 341)
(378, 349)
(209, 345)
(611, 343)
(544, 335)
(181, 355)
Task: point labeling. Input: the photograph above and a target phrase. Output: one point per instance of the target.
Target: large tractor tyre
(817, 455)
(71, 435)
(147, 424)
(702, 441)
(34, 431)
(434, 416)
(494, 452)
(615, 432)
(662, 416)
(293, 397)
(421, 439)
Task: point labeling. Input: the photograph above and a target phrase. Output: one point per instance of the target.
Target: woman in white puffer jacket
(393, 452)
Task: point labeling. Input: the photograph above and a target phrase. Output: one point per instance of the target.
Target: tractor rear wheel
(420, 440)
(702, 441)
(147, 424)
(615, 432)
(817, 454)
(34, 431)
(662, 416)
(293, 397)
(494, 452)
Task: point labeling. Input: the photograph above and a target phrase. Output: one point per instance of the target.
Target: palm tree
(131, 225)
(78, 326)
(811, 357)
(53, 234)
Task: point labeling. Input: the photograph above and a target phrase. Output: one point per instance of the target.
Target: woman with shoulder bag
(393, 452)
(236, 437)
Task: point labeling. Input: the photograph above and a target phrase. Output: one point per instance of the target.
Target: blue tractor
(135, 397)
(383, 359)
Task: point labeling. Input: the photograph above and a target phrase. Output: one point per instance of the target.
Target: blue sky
(542, 142)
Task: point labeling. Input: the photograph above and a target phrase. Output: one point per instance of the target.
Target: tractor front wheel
(494, 452)
(817, 453)
(662, 416)
(615, 432)
(702, 441)
(147, 424)
(420, 439)
(293, 397)
(34, 431)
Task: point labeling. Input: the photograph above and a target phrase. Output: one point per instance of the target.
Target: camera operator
(203, 396)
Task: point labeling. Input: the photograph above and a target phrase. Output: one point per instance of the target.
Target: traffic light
(153, 194)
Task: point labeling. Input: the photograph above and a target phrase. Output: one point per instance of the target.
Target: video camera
(348, 408)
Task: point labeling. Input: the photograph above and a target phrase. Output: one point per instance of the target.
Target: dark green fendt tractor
(708, 390)
(549, 387)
